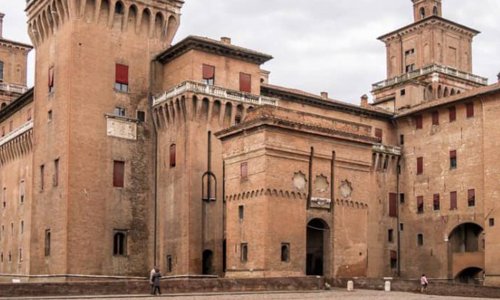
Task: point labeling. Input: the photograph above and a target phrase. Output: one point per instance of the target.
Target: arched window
(119, 8)
(1, 70)
(285, 252)
(435, 11)
(119, 243)
(422, 13)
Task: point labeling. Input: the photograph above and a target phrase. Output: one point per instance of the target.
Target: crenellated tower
(428, 59)
(93, 156)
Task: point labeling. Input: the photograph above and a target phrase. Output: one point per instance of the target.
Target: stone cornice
(430, 21)
(14, 44)
(16, 105)
(211, 46)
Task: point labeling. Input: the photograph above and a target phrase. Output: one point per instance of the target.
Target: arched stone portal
(466, 252)
(208, 257)
(317, 247)
(472, 275)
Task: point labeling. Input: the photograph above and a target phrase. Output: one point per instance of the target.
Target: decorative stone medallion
(345, 189)
(321, 183)
(299, 181)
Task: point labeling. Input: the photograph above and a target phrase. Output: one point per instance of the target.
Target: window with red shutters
(118, 173)
(471, 197)
(121, 78)
(453, 200)
(418, 122)
(420, 204)
(469, 109)
(453, 159)
(436, 202)
(378, 133)
(208, 74)
(244, 171)
(435, 117)
(245, 82)
(172, 155)
(453, 114)
(51, 79)
(393, 205)
(420, 165)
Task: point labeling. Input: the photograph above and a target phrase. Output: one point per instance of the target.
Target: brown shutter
(420, 204)
(172, 155)
(394, 254)
(435, 118)
(470, 109)
(245, 82)
(453, 113)
(420, 165)
(436, 202)
(118, 173)
(418, 122)
(393, 208)
(121, 74)
(378, 133)
(208, 72)
(453, 154)
(453, 200)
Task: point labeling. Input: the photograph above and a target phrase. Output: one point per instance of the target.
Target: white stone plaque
(122, 128)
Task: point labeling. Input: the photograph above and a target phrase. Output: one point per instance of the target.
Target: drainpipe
(155, 173)
(398, 231)
(309, 190)
(224, 256)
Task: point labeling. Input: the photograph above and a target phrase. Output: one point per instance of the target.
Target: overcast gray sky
(318, 45)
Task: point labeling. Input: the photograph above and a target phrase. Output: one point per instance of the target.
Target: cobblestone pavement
(321, 295)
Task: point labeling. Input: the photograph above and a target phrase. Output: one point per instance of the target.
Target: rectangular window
(469, 109)
(436, 202)
(245, 83)
(453, 200)
(471, 197)
(491, 221)
(208, 74)
(121, 78)
(420, 165)
(244, 171)
(402, 92)
(21, 191)
(244, 252)
(20, 254)
(410, 68)
(119, 111)
(402, 198)
(435, 117)
(394, 259)
(453, 159)
(390, 236)
(453, 114)
(418, 122)
(378, 133)
(120, 243)
(420, 239)
(51, 79)
(420, 204)
(169, 264)
(42, 177)
(241, 212)
(172, 156)
(55, 180)
(393, 205)
(1, 70)
(409, 52)
(118, 173)
(402, 139)
(285, 252)
(47, 242)
(401, 226)
(141, 116)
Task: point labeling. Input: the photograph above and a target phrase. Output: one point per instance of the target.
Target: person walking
(151, 279)
(156, 281)
(423, 283)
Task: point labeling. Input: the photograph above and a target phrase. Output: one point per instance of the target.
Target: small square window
(402, 92)
(401, 226)
(390, 236)
(119, 111)
(141, 116)
(491, 221)
(420, 239)
(402, 198)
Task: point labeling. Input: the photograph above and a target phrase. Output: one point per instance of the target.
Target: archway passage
(208, 257)
(317, 234)
(466, 238)
(472, 275)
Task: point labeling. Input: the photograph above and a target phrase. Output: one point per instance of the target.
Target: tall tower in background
(428, 59)
(92, 159)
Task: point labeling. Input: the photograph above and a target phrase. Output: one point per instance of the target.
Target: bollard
(387, 286)
(350, 286)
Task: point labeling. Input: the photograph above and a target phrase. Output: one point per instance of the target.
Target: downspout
(309, 189)
(332, 211)
(224, 256)
(155, 173)
(398, 232)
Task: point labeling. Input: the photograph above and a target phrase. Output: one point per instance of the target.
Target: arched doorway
(466, 252)
(472, 275)
(466, 238)
(316, 252)
(208, 257)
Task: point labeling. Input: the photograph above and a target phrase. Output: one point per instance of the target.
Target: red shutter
(435, 118)
(208, 72)
(245, 82)
(453, 154)
(453, 200)
(51, 77)
(471, 197)
(420, 204)
(470, 109)
(436, 202)
(453, 113)
(418, 122)
(121, 74)
(118, 173)
(393, 208)
(378, 133)
(420, 165)
(172, 155)
(244, 170)
(394, 254)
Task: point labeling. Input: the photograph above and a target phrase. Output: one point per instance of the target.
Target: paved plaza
(321, 295)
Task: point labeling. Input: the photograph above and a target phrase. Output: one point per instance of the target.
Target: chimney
(364, 101)
(324, 95)
(1, 25)
(226, 40)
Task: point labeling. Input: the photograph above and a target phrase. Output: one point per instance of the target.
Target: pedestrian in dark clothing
(156, 281)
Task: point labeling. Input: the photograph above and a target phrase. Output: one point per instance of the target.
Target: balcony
(214, 91)
(12, 88)
(429, 70)
(15, 133)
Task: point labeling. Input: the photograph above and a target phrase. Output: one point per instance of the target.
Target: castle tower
(13, 66)
(428, 59)
(92, 158)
